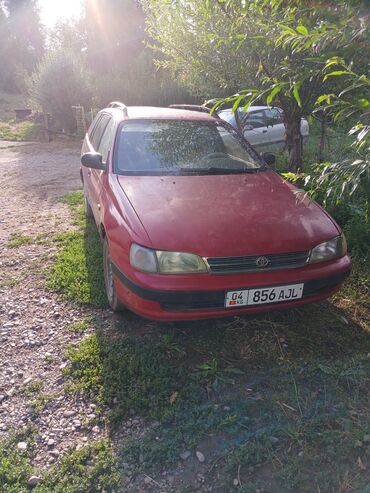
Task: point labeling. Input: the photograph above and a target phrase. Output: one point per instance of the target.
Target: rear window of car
(180, 147)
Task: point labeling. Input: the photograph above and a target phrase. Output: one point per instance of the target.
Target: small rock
(200, 456)
(2, 397)
(96, 429)
(50, 442)
(185, 455)
(68, 414)
(22, 446)
(235, 482)
(27, 380)
(33, 481)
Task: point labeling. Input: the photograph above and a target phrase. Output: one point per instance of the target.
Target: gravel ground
(34, 321)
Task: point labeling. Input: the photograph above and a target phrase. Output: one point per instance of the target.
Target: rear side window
(106, 140)
(98, 130)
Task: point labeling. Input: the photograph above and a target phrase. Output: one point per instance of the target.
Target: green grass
(127, 374)
(80, 326)
(78, 269)
(89, 470)
(18, 239)
(19, 131)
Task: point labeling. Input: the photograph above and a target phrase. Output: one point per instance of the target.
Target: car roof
(153, 112)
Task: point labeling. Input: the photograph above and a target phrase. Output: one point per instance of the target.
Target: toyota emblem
(262, 261)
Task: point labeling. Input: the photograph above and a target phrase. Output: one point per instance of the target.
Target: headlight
(143, 258)
(179, 263)
(163, 262)
(335, 248)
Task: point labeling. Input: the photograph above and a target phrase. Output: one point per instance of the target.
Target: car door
(104, 148)
(92, 176)
(275, 129)
(255, 129)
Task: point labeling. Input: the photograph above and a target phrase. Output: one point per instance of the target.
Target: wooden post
(80, 120)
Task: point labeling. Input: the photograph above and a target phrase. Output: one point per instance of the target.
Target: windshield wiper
(213, 170)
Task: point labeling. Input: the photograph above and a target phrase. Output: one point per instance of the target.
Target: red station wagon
(194, 222)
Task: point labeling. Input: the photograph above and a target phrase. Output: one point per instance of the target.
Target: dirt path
(33, 320)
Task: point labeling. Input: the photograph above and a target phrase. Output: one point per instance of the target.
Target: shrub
(60, 82)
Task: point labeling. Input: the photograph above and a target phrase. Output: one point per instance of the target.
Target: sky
(53, 10)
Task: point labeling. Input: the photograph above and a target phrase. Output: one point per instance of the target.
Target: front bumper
(180, 301)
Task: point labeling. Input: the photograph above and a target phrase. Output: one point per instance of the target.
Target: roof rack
(118, 105)
(193, 107)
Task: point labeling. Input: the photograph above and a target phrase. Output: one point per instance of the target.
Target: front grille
(224, 265)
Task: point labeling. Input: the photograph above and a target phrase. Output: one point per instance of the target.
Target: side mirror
(248, 127)
(93, 160)
(269, 158)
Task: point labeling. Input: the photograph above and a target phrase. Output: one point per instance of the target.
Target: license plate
(259, 296)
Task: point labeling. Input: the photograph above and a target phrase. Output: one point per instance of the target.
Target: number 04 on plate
(259, 296)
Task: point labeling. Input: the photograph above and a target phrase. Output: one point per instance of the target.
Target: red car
(196, 225)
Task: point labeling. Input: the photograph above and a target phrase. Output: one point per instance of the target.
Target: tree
(21, 40)
(115, 33)
(60, 82)
(267, 50)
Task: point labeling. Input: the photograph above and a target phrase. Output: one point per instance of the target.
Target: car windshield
(181, 147)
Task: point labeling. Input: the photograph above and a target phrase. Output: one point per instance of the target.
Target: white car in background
(263, 126)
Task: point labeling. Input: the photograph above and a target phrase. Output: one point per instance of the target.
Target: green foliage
(262, 50)
(140, 83)
(60, 82)
(78, 269)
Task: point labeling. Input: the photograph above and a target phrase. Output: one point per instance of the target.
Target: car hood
(224, 215)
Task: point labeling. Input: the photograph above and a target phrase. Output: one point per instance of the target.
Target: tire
(88, 211)
(110, 287)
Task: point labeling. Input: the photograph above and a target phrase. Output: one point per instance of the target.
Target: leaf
(296, 95)
(335, 73)
(272, 94)
(324, 97)
(302, 30)
(288, 29)
(173, 397)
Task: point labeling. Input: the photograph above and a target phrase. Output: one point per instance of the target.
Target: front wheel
(110, 287)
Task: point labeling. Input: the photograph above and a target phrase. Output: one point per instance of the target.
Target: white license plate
(259, 296)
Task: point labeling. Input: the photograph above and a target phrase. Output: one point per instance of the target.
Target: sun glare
(54, 10)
